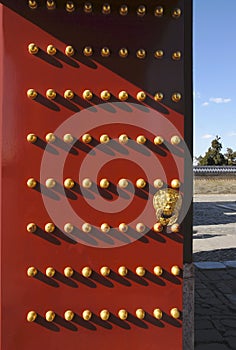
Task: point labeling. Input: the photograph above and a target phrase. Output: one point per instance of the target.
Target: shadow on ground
(216, 255)
(214, 213)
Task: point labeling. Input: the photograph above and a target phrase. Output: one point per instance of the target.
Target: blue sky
(214, 73)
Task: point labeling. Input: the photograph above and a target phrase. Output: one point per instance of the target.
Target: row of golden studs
(104, 271)
(105, 95)
(106, 8)
(105, 227)
(103, 183)
(33, 49)
(104, 138)
(104, 314)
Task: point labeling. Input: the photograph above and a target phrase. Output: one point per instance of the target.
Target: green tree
(213, 156)
(230, 155)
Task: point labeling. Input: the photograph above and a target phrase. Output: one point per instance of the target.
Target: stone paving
(215, 306)
(215, 276)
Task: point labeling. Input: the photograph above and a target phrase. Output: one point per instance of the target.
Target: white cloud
(232, 133)
(220, 100)
(205, 104)
(207, 136)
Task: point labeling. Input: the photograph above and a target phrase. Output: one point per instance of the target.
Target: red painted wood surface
(22, 160)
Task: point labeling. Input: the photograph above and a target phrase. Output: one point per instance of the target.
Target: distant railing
(211, 170)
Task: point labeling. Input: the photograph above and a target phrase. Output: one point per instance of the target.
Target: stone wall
(214, 184)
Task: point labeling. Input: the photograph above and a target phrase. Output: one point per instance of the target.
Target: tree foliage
(213, 155)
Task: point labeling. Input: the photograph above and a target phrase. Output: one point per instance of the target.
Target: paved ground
(215, 283)
(214, 231)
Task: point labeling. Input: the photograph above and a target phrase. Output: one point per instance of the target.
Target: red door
(96, 131)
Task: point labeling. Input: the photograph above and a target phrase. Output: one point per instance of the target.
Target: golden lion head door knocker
(167, 203)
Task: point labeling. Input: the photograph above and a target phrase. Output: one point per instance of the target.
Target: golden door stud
(140, 271)
(104, 183)
(51, 94)
(86, 183)
(88, 51)
(158, 183)
(175, 140)
(68, 228)
(123, 138)
(157, 313)
(51, 50)
(141, 139)
(158, 96)
(123, 96)
(158, 227)
(122, 271)
(87, 95)
(159, 11)
(69, 51)
(104, 314)
(70, 7)
(68, 271)
(140, 227)
(32, 4)
(123, 314)
(31, 183)
(123, 52)
(124, 10)
(176, 55)
(88, 7)
(141, 54)
(50, 137)
(123, 227)
(68, 138)
(50, 315)
(105, 227)
(159, 54)
(32, 271)
(104, 138)
(175, 313)
(49, 227)
(175, 270)
(105, 52)
(50, 183)
(106, 9)
(141, 10)
(50, 272)
(86, 138)
(141, 96)
(176, 97)
(175, 228)
(69, 315)
(123, 183)
(69, 183)
(33, 49)
(105, 271)
(32, 227)
(32, 138)
(140, 313)
(158, 270)
(31, 316)
(69, 94)
(176, 13)
(86, 227)
(51, 5)
(105, 95)
(32, 94)
(175, 183)
(87, 314)
(140, 183)
(86, 271)
(158, 140)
